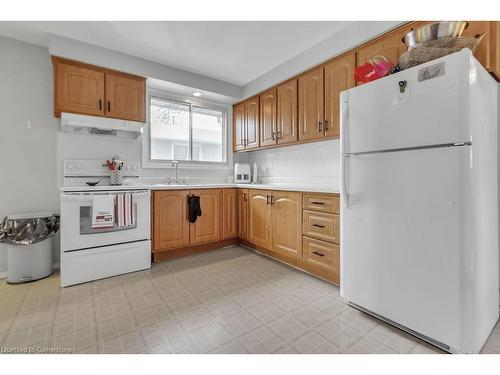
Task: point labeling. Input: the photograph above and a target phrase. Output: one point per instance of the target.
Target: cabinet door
(268, 117)
(170, 219)
(252, 123)
(389, 45)
(78, 89)
(229, 213)
(287, 112)
(338, 77)
(287, 223)
(242, 213)
(311, 104)
(239, 127)
(259, 218)
(208, 226)
(125, 97)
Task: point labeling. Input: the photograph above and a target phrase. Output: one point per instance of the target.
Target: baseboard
(160, 256)
(55, 266)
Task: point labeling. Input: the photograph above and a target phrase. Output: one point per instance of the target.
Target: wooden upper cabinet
(238, 127)
(242, 213)
(125, 97)
(170, 219)
(268, 117)
(252, 122)
(259, 218)
(78, 89)
(91, 90)
(229, 213)
(287, 223)
(311, 113)
(287, 127)
(338, 77)
(390, 46)
(496, 50)
(208, 226)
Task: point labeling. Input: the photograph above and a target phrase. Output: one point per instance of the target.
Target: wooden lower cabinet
(229, 213)
(286, 214)
(301, 229)
(242, 214)
(208, 227)
(322, 257)
(170, 219)
(171, 230)
(321, 225)
(259, 217)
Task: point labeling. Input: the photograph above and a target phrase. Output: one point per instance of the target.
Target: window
(183, 131)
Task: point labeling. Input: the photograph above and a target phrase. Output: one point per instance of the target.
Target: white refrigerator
(419, 192)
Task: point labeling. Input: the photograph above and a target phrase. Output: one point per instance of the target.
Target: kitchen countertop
(263, 186)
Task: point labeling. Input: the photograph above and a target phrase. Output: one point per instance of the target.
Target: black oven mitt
(194, 208)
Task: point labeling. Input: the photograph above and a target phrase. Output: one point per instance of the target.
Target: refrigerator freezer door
(401, 237)
(430, 112)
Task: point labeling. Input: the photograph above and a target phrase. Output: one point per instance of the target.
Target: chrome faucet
(175, 164)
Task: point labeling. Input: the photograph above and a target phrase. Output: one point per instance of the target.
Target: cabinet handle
(272, 200)
(109, 106)
(318, 254)
(267, 198)
(274, 136)
(318, 226)
(326, 126)
(278, 136)
(244, 197)
(100, 104)
(320, 126)
(317, 202)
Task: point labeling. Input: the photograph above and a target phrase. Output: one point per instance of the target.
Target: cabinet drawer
(320, 253)
(321, 202)
(321, 225)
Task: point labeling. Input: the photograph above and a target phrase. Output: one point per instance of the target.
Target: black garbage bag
(27, 231)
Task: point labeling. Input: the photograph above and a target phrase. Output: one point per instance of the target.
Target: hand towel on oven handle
(125, 210)
(103, 210)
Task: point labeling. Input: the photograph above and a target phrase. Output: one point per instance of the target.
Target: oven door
(76, 221)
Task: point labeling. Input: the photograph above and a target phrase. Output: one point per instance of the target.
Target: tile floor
(227, 301)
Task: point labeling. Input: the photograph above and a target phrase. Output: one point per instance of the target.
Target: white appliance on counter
(242, 173)
(88, 252)
(419, 191)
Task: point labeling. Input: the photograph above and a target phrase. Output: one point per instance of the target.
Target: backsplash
(317, 161)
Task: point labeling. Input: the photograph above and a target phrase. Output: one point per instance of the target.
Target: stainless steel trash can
(28, 238)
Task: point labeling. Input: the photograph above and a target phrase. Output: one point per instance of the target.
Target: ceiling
(234, 52)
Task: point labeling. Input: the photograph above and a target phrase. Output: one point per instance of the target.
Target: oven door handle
(79, 197)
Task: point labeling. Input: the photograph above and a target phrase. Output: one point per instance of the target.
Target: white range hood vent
(81, 124)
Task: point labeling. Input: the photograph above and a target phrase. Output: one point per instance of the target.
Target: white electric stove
(89, 253)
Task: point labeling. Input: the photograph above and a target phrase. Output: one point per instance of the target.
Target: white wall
(317, 161)
(28, 155)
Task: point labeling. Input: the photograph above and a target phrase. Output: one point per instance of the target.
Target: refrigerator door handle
(344, 121)
(344, 193)
(344, 145)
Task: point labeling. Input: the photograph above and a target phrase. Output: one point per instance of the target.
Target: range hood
(92, 125)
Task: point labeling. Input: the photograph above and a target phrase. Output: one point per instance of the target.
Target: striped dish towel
(125, 210)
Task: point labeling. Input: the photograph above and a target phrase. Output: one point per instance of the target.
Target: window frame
(147, 162)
